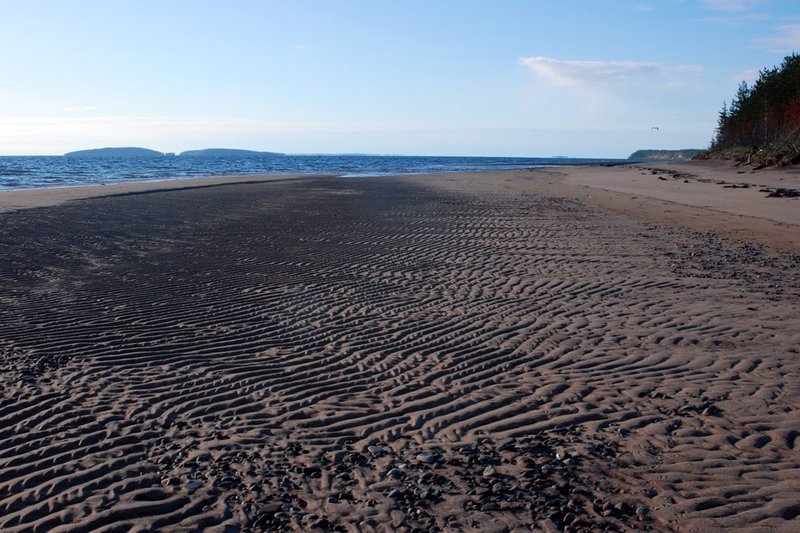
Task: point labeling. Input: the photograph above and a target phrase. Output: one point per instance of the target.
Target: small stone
(489, 471)
(426, 457)
(322, 523)
(505, 444)
(170, 481)
(395, 473)
(375, 451)
(193, 485)
(642, 512)
(524, 462)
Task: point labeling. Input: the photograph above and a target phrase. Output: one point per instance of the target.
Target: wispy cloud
(737, 19)
(82, 108)
(582, 72)
(786, 39)
(732, 6)
(749, 75)
(734, 12)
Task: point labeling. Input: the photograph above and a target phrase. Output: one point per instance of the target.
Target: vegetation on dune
(762, 124)
(664, 155)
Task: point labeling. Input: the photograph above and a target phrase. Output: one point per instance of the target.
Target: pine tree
(764, 117)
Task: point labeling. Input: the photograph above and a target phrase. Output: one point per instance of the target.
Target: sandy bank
(699, 196)
(449, 352)
(703, 196)
(31, 198)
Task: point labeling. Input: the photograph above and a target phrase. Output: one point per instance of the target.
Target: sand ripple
(185, 359)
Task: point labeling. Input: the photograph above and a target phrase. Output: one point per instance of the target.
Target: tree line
(763, 120)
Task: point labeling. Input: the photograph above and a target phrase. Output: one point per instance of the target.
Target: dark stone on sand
(426, 457)
(395, 473)
(375, 451)
(784, 193)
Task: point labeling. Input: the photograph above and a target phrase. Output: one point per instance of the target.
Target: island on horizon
(127, 151)
(665, 155)
(225, 152)
(133, 151)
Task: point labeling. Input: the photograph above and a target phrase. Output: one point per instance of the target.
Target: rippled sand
(478, 354)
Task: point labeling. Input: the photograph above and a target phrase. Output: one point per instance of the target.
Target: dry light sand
(579, 349)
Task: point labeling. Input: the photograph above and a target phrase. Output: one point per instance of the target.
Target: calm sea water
(57, 171)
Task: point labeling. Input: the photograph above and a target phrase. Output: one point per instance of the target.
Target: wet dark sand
(390, 354)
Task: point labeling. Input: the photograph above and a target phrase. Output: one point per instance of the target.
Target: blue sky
(578, 78)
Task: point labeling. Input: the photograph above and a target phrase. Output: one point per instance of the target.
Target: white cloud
(786, 39)
(581, 72)
(749, 75)
(82, 108)
(735, 6)
(738, 19)
(734, 12)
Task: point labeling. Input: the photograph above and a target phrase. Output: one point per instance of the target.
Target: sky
(577, 78)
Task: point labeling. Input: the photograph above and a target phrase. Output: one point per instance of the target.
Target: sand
(460, 352)
(16, 200)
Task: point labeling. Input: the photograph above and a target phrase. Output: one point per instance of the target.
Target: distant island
(116, 152)
(665, 155)
(131, 151)
(225, 152)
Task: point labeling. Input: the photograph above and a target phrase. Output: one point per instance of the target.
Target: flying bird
(654, 128)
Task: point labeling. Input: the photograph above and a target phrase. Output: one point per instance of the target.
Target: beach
(570, 349)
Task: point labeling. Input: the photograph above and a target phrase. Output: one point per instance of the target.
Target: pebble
(375, 451)
(170, 481)
(193, 485)
(426, 457)
(395, 473)
(543, 483)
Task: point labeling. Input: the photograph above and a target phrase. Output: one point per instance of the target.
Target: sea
(35, 172)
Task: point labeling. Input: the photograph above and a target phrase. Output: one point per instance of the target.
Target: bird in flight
(654, 128)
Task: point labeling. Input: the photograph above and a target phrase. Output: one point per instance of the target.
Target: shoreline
(700, 196)
(705, 198)
(21, 199)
